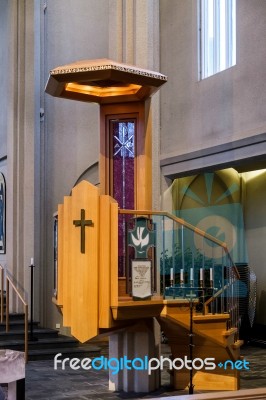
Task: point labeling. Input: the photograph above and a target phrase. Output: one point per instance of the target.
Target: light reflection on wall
(254, 174)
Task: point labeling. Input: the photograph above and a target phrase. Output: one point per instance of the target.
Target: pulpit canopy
(103, 81)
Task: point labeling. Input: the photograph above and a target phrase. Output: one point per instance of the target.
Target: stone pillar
(21, 128)
(136, 342)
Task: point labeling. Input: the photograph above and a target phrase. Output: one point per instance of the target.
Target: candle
(171, 274)
(211, 274)
(191, 274)
(201, 274)
(31, 261)
(181, 274)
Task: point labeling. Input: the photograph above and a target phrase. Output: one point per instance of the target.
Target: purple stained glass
(123, 155)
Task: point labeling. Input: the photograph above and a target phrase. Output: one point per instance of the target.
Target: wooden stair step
(212, 336)
(211, 317)
(246, 394)
(237, 344)
(229, 332)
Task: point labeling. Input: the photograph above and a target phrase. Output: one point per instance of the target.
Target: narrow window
(217, 36)
(122, 178)
(123, 162)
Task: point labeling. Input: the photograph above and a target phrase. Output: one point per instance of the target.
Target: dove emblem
(139, 240)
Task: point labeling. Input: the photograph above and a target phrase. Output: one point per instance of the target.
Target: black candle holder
(32, 338)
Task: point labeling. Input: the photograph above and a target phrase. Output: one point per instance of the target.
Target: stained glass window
(123, 182)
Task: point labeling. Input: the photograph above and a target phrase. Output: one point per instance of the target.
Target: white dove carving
(139, 240)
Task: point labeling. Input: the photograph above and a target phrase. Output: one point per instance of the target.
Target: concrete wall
(220, 121)
(3, 75)
(18, 104)
(71, 30)
(222, 108)
(74, 30)
(3, 89)
(255, 221)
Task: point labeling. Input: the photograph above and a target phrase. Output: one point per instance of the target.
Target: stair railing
(226, 299)
(2, 293)
(224, 292)
(9, 284)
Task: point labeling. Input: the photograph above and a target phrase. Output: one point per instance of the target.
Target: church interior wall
(192, 114)
(3, 75)
(72, 31)
(255, 226)
(225, 107)
(219, 121)
(250, 192)
(17, 135)
(3, 89)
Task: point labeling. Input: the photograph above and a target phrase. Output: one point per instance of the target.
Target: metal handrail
(182, 222)
(2, 294)
(26, 312)
(214, 297)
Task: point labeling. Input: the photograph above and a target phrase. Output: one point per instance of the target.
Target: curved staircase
(211, 339)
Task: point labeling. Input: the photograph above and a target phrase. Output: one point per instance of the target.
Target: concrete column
(147, 55)
(115, 350)
(20, 143)
(134, 38)
(140, 341)
(116, 30)
(3, 89)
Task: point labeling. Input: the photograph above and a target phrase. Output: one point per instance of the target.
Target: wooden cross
(82, 223)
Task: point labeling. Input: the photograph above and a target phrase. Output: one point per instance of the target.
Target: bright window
(217, 36)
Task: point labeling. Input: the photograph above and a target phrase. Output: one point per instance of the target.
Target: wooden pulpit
(87, 260)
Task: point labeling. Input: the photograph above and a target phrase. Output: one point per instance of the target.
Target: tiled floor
(43, 382)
